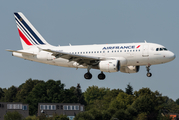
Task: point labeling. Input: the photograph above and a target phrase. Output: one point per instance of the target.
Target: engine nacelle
(130, 69)
(109, 66)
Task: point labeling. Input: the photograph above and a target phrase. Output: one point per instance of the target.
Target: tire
(101, 76)
(149, 74)
(87, 76)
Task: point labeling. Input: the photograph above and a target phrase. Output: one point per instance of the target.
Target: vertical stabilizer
(29, 36)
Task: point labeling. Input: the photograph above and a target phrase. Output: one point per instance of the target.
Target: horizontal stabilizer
(23, 52)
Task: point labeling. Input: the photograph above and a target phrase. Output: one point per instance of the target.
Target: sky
(80, 22)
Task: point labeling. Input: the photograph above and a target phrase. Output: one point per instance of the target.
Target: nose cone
(171, 56)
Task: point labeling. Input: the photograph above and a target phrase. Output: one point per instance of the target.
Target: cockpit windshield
(161, 49)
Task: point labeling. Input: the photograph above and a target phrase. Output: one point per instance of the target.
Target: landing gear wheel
(149, 74)
(101, 76)
(88, 75)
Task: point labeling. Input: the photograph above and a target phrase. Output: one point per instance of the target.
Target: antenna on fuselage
(145, 41)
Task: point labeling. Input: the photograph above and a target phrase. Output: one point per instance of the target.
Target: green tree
(49, 92)
(148, 102)
(110, 96)
(177, 101)
(60, 117)
(1, 93)
(120, 115)
(13, 116)
(31, 118)
(94, 93)
(84, 116)
(129, 89)
(122, 101)
(108, 113)
(132, 112)
(25, 89)
(144, 104)
(142, 116)
(10, 94)
(96, 113)
(169, 105)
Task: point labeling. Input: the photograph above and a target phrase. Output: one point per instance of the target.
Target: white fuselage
(136, 54)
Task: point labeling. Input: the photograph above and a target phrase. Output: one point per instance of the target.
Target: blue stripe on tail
(29, 29)
(25, 32)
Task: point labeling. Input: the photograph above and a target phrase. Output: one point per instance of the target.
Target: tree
(31, 118)
(177, 101)
(110, 96)
(120, 115)
(1, 93)
(169, 105)
(96, 113)
(10, 94)
(50, 91)
(148, 102)
(122, 101)
(84, 116)
(94, 93)
(13, 116)
(129, 89)
(25, 89)
(142, 116)
(144, 104)
(60, 117)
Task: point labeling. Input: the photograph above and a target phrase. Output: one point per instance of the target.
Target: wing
(81, 59)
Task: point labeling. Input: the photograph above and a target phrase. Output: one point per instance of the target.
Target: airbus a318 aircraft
(126, 57)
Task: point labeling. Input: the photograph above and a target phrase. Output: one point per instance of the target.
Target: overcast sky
(81, 22)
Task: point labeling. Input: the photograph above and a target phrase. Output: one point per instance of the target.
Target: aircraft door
(145, 51)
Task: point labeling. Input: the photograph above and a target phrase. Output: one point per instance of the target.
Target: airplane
(123, 57)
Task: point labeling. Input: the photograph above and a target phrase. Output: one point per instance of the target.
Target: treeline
(100, 103)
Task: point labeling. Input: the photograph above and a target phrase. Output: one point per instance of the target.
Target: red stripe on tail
(24, 38)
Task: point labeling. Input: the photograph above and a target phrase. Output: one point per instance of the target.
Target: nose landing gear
(88, 75)
(148, 73)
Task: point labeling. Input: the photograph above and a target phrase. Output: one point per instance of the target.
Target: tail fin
(29, 36)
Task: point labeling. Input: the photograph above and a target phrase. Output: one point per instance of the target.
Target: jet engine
(109, 66)
(130, 69)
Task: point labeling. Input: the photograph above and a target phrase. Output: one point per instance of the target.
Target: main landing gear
(148, 73)
(101, 76)
(88, 75)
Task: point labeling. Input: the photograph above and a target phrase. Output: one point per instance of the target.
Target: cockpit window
(164, 48)
(161, 49)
